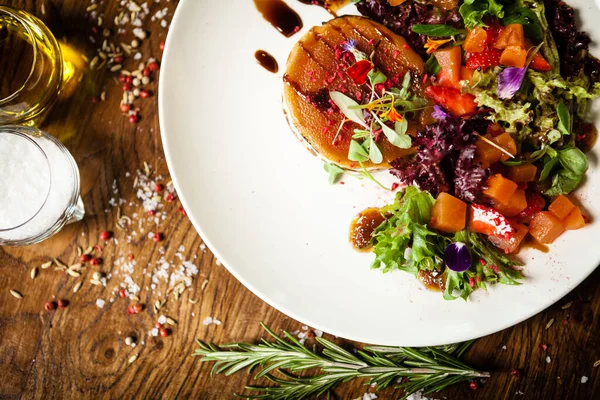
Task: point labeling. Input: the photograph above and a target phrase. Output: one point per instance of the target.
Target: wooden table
(80, 351)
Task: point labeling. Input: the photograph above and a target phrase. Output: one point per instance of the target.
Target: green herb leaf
(549, 164)
(406, 81)
(357, 152)
(573, 160)
(473, 12)
(361, 134)
(432, 66)
(346, 106)
(334, 171)
(401, 141)
(564, 182)
(401, 127)
(374, 152)
(376, 77)
(553, 136)
(435, 30)
(564, 119)
(428, 369)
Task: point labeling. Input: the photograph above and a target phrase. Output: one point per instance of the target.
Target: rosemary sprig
(430, 369)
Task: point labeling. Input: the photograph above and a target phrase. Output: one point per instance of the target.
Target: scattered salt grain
(503, 347)
(210, 320)
(548, 359)
(318, 333)
(369, 396)
(154, 332)
(100, 303)
(584, 379)
(162, 319)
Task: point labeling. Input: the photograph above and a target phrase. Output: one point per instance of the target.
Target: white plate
(263, 205)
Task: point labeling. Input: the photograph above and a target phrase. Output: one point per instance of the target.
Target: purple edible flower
(509, 82)
(439, 113)
(458, 257)
(349, 46)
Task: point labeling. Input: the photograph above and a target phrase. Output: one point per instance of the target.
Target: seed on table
(569, 304)
(16, 294)
(74, 273)
(171, 321)
(116, 68)
(95, 282)
(145, 80)
(46, 265)
(133, 358)
(597, 363)
(33, 273)
(91, 7)
(141, 66)
(135, 44)
(62, 303)
(129, 341)
(77, 287)
(136, 92)
(136, 82)
(97, 276)
(49, 306)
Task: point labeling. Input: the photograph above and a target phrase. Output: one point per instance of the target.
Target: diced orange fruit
(466, 74)
(450, 60)
(506, 141)
(511, 245)
(500, 189)
(495, 129)
(511, 35)
(516, 204)
(453, 100)
(574, 220)
(561, 207)
(448, 214)
(522, 173)
(475, 41)
(489, 154)
(545, 227)
(514, 56)
(445, 80)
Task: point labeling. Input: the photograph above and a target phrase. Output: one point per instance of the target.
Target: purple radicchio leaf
(509, 82)
(439, 113)
(458, 257)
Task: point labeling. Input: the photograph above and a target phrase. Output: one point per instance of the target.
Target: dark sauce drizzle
(266, 61)
(280, 15)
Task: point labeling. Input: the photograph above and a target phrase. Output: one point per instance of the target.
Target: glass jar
(39, 186)
(32, 68)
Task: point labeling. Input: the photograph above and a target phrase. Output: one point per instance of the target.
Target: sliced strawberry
(489, 222)
(540, 64)
(489, 58)
(452, 100)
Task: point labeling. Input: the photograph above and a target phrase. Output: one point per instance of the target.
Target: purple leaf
(439, 113)
(458, 257)
(509, 82)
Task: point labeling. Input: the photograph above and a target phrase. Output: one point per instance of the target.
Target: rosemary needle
(430, 369)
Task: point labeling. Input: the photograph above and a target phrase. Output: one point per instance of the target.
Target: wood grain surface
(79, 352)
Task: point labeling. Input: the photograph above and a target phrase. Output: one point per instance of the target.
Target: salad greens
(403, 241)
(473, 12)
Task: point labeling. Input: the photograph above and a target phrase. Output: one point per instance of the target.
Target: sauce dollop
(280, 15)
(433, 280)
(362, 228)
(266, 61)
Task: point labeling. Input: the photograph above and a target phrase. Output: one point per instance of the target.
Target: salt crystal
(154, 332)
(162, 319)
(210, 320)
(318, 333)
(548, 359)
(369, 396)
(163, 23)
(100, 303)
(584, 379)
(503, 347)
(137, 56)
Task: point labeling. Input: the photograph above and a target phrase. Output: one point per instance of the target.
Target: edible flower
(458, 257)
(359, 71)
(510, 81)
(350, 45)
(439, 113)
(432, 45)
(392, 114)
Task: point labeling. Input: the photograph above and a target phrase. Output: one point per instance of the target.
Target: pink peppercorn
(85, 258)
(104, 236)
(157, 237)
(133, 119)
